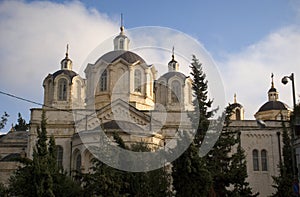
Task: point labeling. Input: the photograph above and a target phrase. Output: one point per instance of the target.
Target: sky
(248, 40)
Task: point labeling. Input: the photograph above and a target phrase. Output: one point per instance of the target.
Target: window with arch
(62, 89)
(190, 96)
(238, 114)
(137, 81)
(264, 160)
(255, 160)
(78, 163)
(59, 156)
(151, 84)
(103, 81)
(49, 91)
(121, 44)
(78, 89)
(176, 91)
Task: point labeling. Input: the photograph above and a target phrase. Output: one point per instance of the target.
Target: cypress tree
(283, 182)
(21, 125)
(227, 163)
(190, 174)
(40, 176)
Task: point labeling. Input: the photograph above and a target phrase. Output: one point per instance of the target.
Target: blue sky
(247, 39)
(221, 25)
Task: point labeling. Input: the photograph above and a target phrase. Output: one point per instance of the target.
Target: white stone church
(75, 105)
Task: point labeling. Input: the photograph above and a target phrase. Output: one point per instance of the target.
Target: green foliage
(40, 176)
(21, 125)
(3, 121)
(3, 190)
(190, 173)
(238, 174)
(227, 166)
(283, 182)
(153, 183)
(104, 180)
(200, 115)
(227, 163)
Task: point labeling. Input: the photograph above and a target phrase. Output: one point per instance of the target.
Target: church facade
(75, 105)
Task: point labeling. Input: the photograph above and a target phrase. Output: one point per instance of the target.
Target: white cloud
(33, 38)
(248, 72)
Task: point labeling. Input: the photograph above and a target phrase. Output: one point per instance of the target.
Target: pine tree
(283, 182)
(151, 183)
(42, 179)
(201, 103)
(104, 180)
(3, 190)
(190, 174)
(21, 125)
(238, 173)
(227, 166)
(4, 119)
(40, 176)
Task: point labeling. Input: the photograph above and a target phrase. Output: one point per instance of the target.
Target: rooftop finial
(173, 53)
(122, 25)
(66, 63)
(272, 83)
(67, 51)
(234, 98)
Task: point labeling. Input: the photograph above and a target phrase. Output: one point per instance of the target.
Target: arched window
(238, 114)
(121, 44)
(255, 160)
(78, 88)
(264, 160)
(151, 84)
(49, 91)
(59, 157)
(190, 93)
(103, 81)
(176, 91)
(137, 81)
(78, 163)
(62, 90)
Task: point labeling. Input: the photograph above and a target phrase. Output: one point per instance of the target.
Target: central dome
(273, 105)
(128, 56)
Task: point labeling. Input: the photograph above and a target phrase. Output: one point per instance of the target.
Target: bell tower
(66, 63)
(173, 64)
(272, 93)
(121, 42)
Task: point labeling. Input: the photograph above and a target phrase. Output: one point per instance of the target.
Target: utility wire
(43, 105)
(20, 98)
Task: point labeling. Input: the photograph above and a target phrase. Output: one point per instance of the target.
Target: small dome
(169, 75)
(272, 89)
(172, 61)
(128, 56)
(236, 105)
(273, 105)
(69, 73)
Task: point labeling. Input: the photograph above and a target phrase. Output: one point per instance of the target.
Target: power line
(20, 98)
(43, 105)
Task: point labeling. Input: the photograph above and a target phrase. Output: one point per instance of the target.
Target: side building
(261, 140)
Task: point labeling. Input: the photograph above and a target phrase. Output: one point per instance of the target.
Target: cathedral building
(121, 92)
